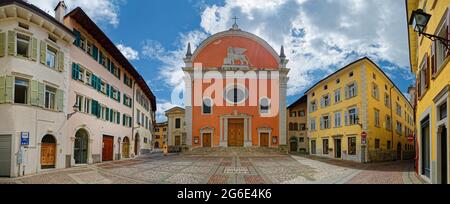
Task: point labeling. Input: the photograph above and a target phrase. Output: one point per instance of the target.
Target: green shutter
(2, 44)
(100, 59)
(43, 52)
(2, 89)
(94, 81)
(108, 91)
(118, 118)
(61, 61)
(95, 53)
(12, 42)
(99, 84)
(94, 107)
(123, 119)
(60, 100)
(111, 114)
(34, 93)
(74, 71)
(77, 37)
(9, 87)
(34, 51)
(107, 114)
(130, 121)
(118, 96)
(41, 94)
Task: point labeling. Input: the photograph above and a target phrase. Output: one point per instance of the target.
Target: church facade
(235, 92)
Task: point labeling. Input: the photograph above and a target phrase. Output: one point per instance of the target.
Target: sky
(319, 36)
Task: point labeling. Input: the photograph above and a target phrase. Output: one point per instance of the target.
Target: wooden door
(177, 140)
(126, 148)
(206, 140)
(48, 154)
(236, 133)
(264, 140)
(108, 147)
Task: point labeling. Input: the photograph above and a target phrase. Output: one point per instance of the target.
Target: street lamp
(419, 21)
(76, 109)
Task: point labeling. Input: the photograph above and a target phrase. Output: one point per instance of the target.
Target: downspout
(132, 114)
(392, 118)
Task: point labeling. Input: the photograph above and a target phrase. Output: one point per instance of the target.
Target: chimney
(60, 11)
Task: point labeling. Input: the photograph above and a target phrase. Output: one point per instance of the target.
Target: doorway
(177, 140)
(425, 147)
(264, 137)
(338, 148)
(399, 151)
(236, 132)
(80, 150)
(126, 147)
(48, 152)
(206, 140)
(137, 140)
(108, 148)
(5, 155)
(293, 144)
(444, 155)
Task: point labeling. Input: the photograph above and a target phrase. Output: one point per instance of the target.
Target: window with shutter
(34, 93)
(2, 44)
(34, 49)
(2, 89)
(43, 52)
(60, 100)
(77, 41)
(12, 42)
(41, 93)
(9, 86)
(427, 71)
(95, 53)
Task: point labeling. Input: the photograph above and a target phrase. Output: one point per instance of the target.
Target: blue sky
(320, 36)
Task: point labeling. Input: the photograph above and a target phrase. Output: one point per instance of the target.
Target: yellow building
(429, 61)
(297, 125)
(160, 135)
(356, 100)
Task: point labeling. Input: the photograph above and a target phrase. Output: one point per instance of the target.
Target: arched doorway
(157, 145)
(136, 145)
(126, 147)
(399, 151)
(48, 152)
(80, 149)
(293, 144)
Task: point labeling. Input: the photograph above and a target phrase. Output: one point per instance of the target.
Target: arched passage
(48, 152)
(80, 150)
(137, 140)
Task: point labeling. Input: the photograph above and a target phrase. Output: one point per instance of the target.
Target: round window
(236, 94)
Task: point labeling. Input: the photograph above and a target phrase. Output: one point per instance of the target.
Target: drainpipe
(392, 118)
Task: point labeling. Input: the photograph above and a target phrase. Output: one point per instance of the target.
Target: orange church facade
(235, 92)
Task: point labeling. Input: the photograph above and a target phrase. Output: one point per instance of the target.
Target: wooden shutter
(41, 93)
(100, 59)
(43, 51)
(111, 115)
(34, 93)
(2, 44)
(34, 49)
(107, 114)
(123, 119)
(2, 89)
(448, 28)
(9, 87)
(60, 100)
(118, 96)
(118, 118)
(108, 91)
(346, 118)
(418, 86)
(12, 42)
(61, 61)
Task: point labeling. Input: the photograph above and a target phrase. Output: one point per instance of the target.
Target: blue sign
(25, 138)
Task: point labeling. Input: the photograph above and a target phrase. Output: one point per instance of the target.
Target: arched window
(207, 106)
(264, 105)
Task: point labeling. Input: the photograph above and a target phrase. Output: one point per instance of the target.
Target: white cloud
(317, 35)
(128, 52)
(162, 107)
(100, 10)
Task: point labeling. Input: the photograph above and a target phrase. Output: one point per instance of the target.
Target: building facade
(356, 102)
(34, 64)
(429, 62)
(176, 127)
(297, 126)
(108, 91)
(64, 97)
(235, 92)
(160, 138)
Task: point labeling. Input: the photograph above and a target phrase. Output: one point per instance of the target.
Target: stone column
(282, 125)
